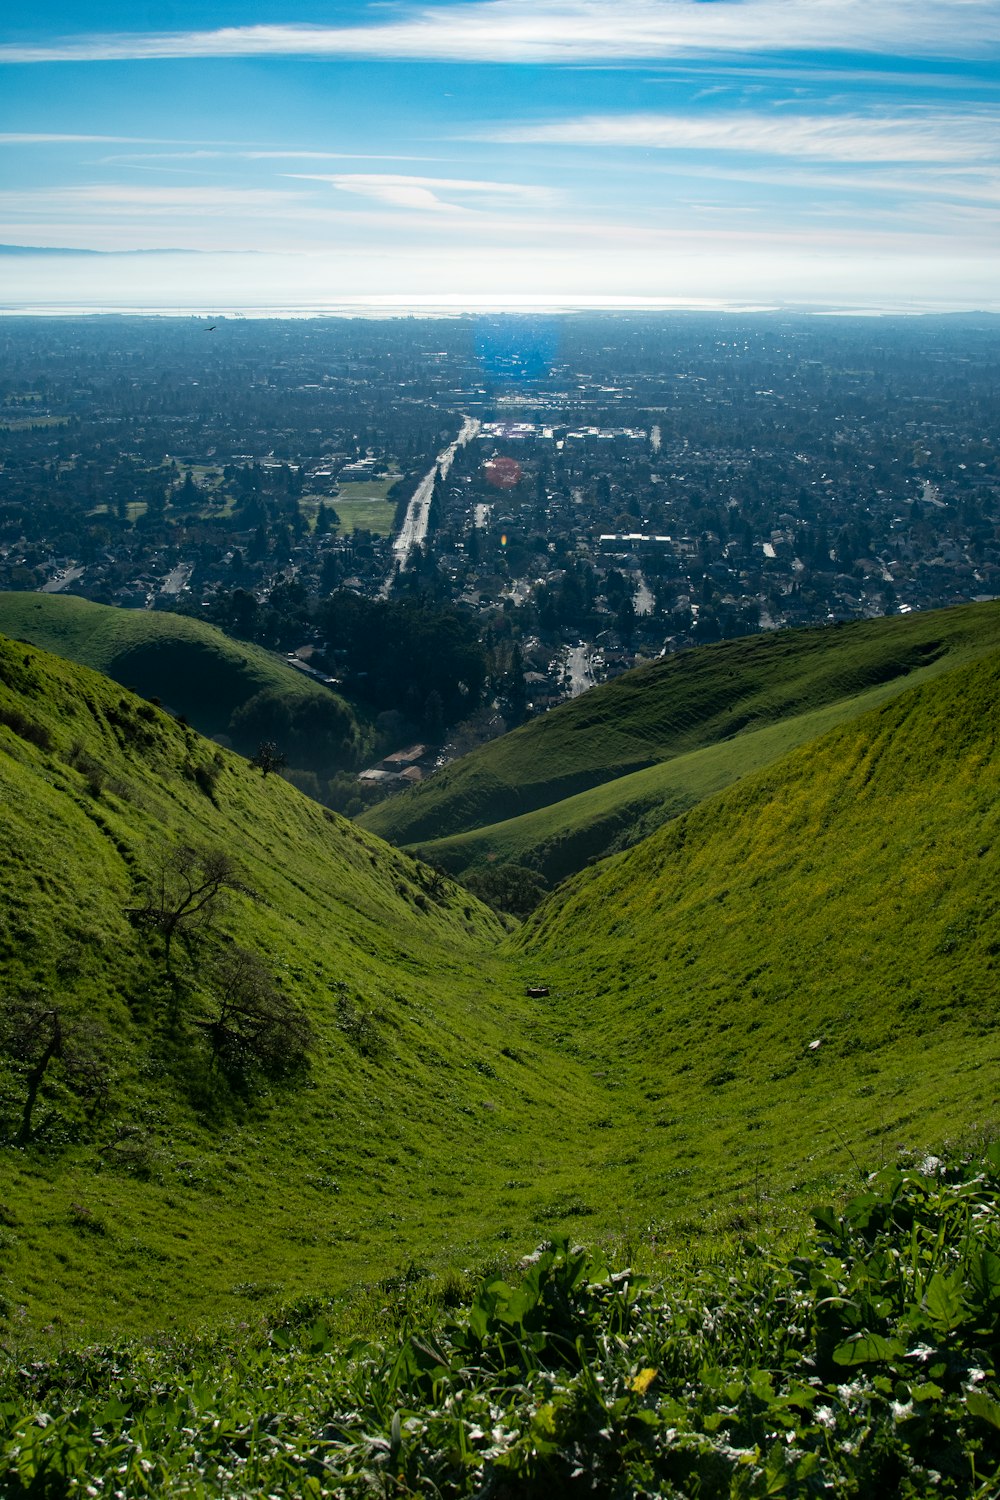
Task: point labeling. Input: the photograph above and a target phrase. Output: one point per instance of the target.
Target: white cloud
(39, 138)
(971, 185)
(927, 138)
(252, 155)
(570, 31)
(425, 193)
(397, 192)
(118, 199)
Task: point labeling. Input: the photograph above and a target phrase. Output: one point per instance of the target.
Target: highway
(414, 528)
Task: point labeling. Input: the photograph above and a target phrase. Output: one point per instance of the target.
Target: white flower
(922, 1352)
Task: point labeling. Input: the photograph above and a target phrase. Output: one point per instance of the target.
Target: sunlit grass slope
(192, 667)
(510, 790)
(436, 1117)
(800, 968)
(563, 838)
(844, 895)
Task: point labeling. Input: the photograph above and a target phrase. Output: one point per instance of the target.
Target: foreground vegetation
(859, 1362)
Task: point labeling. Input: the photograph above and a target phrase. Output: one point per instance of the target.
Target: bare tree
(187, 889)
(38, 1042)
(257, 1027)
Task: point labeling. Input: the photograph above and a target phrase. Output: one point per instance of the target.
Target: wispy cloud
(928, 138)
(250, 155)
(571, 31)
(810, 72)
(47, 138)
(431, 194)
(125, 198)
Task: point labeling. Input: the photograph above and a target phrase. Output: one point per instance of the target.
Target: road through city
(414, 527)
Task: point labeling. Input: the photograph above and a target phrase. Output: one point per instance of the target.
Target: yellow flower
(643, 1381)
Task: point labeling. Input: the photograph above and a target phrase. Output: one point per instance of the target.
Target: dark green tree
(44, 1049)
(269, 758)
(508, 887)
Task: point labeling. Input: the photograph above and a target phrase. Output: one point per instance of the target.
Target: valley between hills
(771, 963)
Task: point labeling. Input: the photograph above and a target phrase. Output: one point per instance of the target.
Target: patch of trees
(250, 1026)
(186, 891)
(511, 888)
(427, 662)
(254, 1027)
(315, 733)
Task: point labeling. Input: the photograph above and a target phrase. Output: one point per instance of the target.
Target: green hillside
(809, 957)
(341, 1077)
(223, 687)
(593, 774)
(563, 838)
(159, 1182)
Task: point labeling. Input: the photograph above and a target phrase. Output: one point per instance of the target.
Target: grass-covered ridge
(800, 968)
(221, 686)
(860, 1362)
(811, 955)
(607, 767)
(559, 840)
(186, 1185)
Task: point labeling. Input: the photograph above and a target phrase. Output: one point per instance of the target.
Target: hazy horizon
(817, 154)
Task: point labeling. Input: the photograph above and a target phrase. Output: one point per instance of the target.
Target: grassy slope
(511, 789)
(846, 895)
(561, 839)
(188, 1200)
(196, 669)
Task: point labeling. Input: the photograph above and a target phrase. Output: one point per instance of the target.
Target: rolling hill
(604, 770)
(812, 955)
(342, 1077)
(185, 1182)
(223, 687)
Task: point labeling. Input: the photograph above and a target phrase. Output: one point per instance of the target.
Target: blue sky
(502, 152)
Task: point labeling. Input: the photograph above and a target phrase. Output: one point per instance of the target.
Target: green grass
(361, 507)
(365, 514)
(364, 489)
(859, 1362)
(845, 896)
(396, 1146)
(510, 789)
(192, 667)
(561, 839)
(665, 1086)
